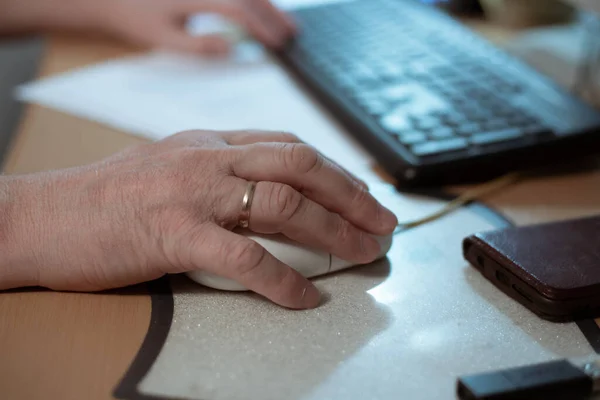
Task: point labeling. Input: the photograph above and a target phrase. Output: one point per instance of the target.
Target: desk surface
(74, 346)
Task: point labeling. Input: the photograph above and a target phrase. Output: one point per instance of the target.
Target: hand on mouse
(150, 23)
(170, 207)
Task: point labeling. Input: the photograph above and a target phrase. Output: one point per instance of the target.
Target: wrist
(17, 269)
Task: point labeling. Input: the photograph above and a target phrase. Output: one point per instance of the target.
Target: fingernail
(369, 246)
(311, 297)
(386, 218)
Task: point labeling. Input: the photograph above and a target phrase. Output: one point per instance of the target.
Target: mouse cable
(463, 199)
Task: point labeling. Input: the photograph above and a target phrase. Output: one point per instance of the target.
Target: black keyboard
(432, 101)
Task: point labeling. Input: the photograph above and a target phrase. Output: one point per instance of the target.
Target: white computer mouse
(308, 261)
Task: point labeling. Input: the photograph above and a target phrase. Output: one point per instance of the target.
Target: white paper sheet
(159, 94)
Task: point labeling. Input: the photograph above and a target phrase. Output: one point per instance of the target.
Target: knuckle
(302, 158)
(285, 201)
(182, 135)
(344, 230)
(284, 284)
(360, 196)
(194, 139)
(245, 256)
(289, 137)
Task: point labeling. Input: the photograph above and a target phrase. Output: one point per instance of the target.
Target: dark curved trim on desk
(591, 331)
(162, 315)
(160, 324)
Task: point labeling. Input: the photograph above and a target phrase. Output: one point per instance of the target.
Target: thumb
(232, 256)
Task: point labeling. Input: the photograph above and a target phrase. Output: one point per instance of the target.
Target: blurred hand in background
(149, 23)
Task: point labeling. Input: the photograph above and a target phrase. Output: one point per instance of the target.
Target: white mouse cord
(461, 200)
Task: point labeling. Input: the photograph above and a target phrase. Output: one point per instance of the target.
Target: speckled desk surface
(402, 328)
(74, 346)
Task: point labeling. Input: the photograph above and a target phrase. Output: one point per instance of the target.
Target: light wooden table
(77, 346)
(67, 345)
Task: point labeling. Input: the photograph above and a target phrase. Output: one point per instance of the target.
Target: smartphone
(553, 269)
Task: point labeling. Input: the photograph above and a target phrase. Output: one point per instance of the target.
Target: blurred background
(560, 38)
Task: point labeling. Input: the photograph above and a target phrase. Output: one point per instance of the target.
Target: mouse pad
(403, 327)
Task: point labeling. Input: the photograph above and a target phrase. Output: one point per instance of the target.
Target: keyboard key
(482, 116)
(495, 125)
(348, 83)
(390, 71)
(454, 119)
(396, 93)
(441, 133)
(412, 137)
(396, 122)
(375, 107)
(535, 129)
(504, 112)
(438, 115)
(458, 99)
(372, 104)
(439, 146)
(427, 123)
(521, 120)
(468, 129)
(473, 111)
(495, 137)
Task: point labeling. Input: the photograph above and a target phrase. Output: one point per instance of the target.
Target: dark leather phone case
(553, 269)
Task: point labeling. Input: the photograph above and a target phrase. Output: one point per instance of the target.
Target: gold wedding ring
(244, 219)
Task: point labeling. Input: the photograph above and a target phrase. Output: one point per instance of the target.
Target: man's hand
(171, 206)
(149, 23)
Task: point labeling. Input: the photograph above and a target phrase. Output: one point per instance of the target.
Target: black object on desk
(19, 60)
(551, 268)
(555, 380)
(433, 102)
